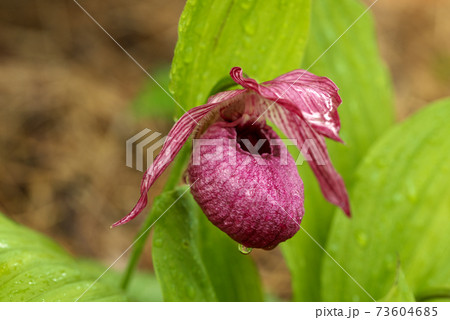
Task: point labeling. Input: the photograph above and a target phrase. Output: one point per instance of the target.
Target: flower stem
(142, 236)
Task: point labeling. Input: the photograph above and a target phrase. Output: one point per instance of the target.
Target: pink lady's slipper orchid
(251, 190)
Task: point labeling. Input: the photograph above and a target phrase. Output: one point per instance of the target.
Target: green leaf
(435, 295)
(143, 287)
(400, 291)
(194, 263)
(34, 268)
(354, 64)
(233, 275)
(265, 38)
(176, 255)
(152, 101)
(401, 211)
(176, 171)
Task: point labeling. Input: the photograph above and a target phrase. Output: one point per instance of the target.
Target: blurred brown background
(66, 90)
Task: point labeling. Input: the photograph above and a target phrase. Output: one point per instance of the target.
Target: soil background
(65, 96)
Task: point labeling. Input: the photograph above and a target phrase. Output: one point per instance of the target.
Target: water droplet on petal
(243, 249)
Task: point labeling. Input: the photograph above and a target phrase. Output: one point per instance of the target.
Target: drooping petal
(314, 98)
(175, 140)
(294, 127)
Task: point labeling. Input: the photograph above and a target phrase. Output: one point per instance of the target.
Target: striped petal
(177, 137)
(299, 130)
(304, 106)
(314, 98)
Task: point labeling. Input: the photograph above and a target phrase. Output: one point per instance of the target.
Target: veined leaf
(400, 291)
(143, 287)
(34, 268)
(265, 38)
(198, 266)
(233, 275)
(176, 255)
(354, 64)
(401, 211)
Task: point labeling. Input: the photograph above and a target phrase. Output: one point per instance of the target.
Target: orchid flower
(256, 197)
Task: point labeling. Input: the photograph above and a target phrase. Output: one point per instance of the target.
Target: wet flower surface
(256, 199)
(242, 176)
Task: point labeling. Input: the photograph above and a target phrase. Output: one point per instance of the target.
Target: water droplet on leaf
(411, 192)
(158, 243)
(191, 292)
(361, 238)
(245, 4)
(249, 27)
(188, 54)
